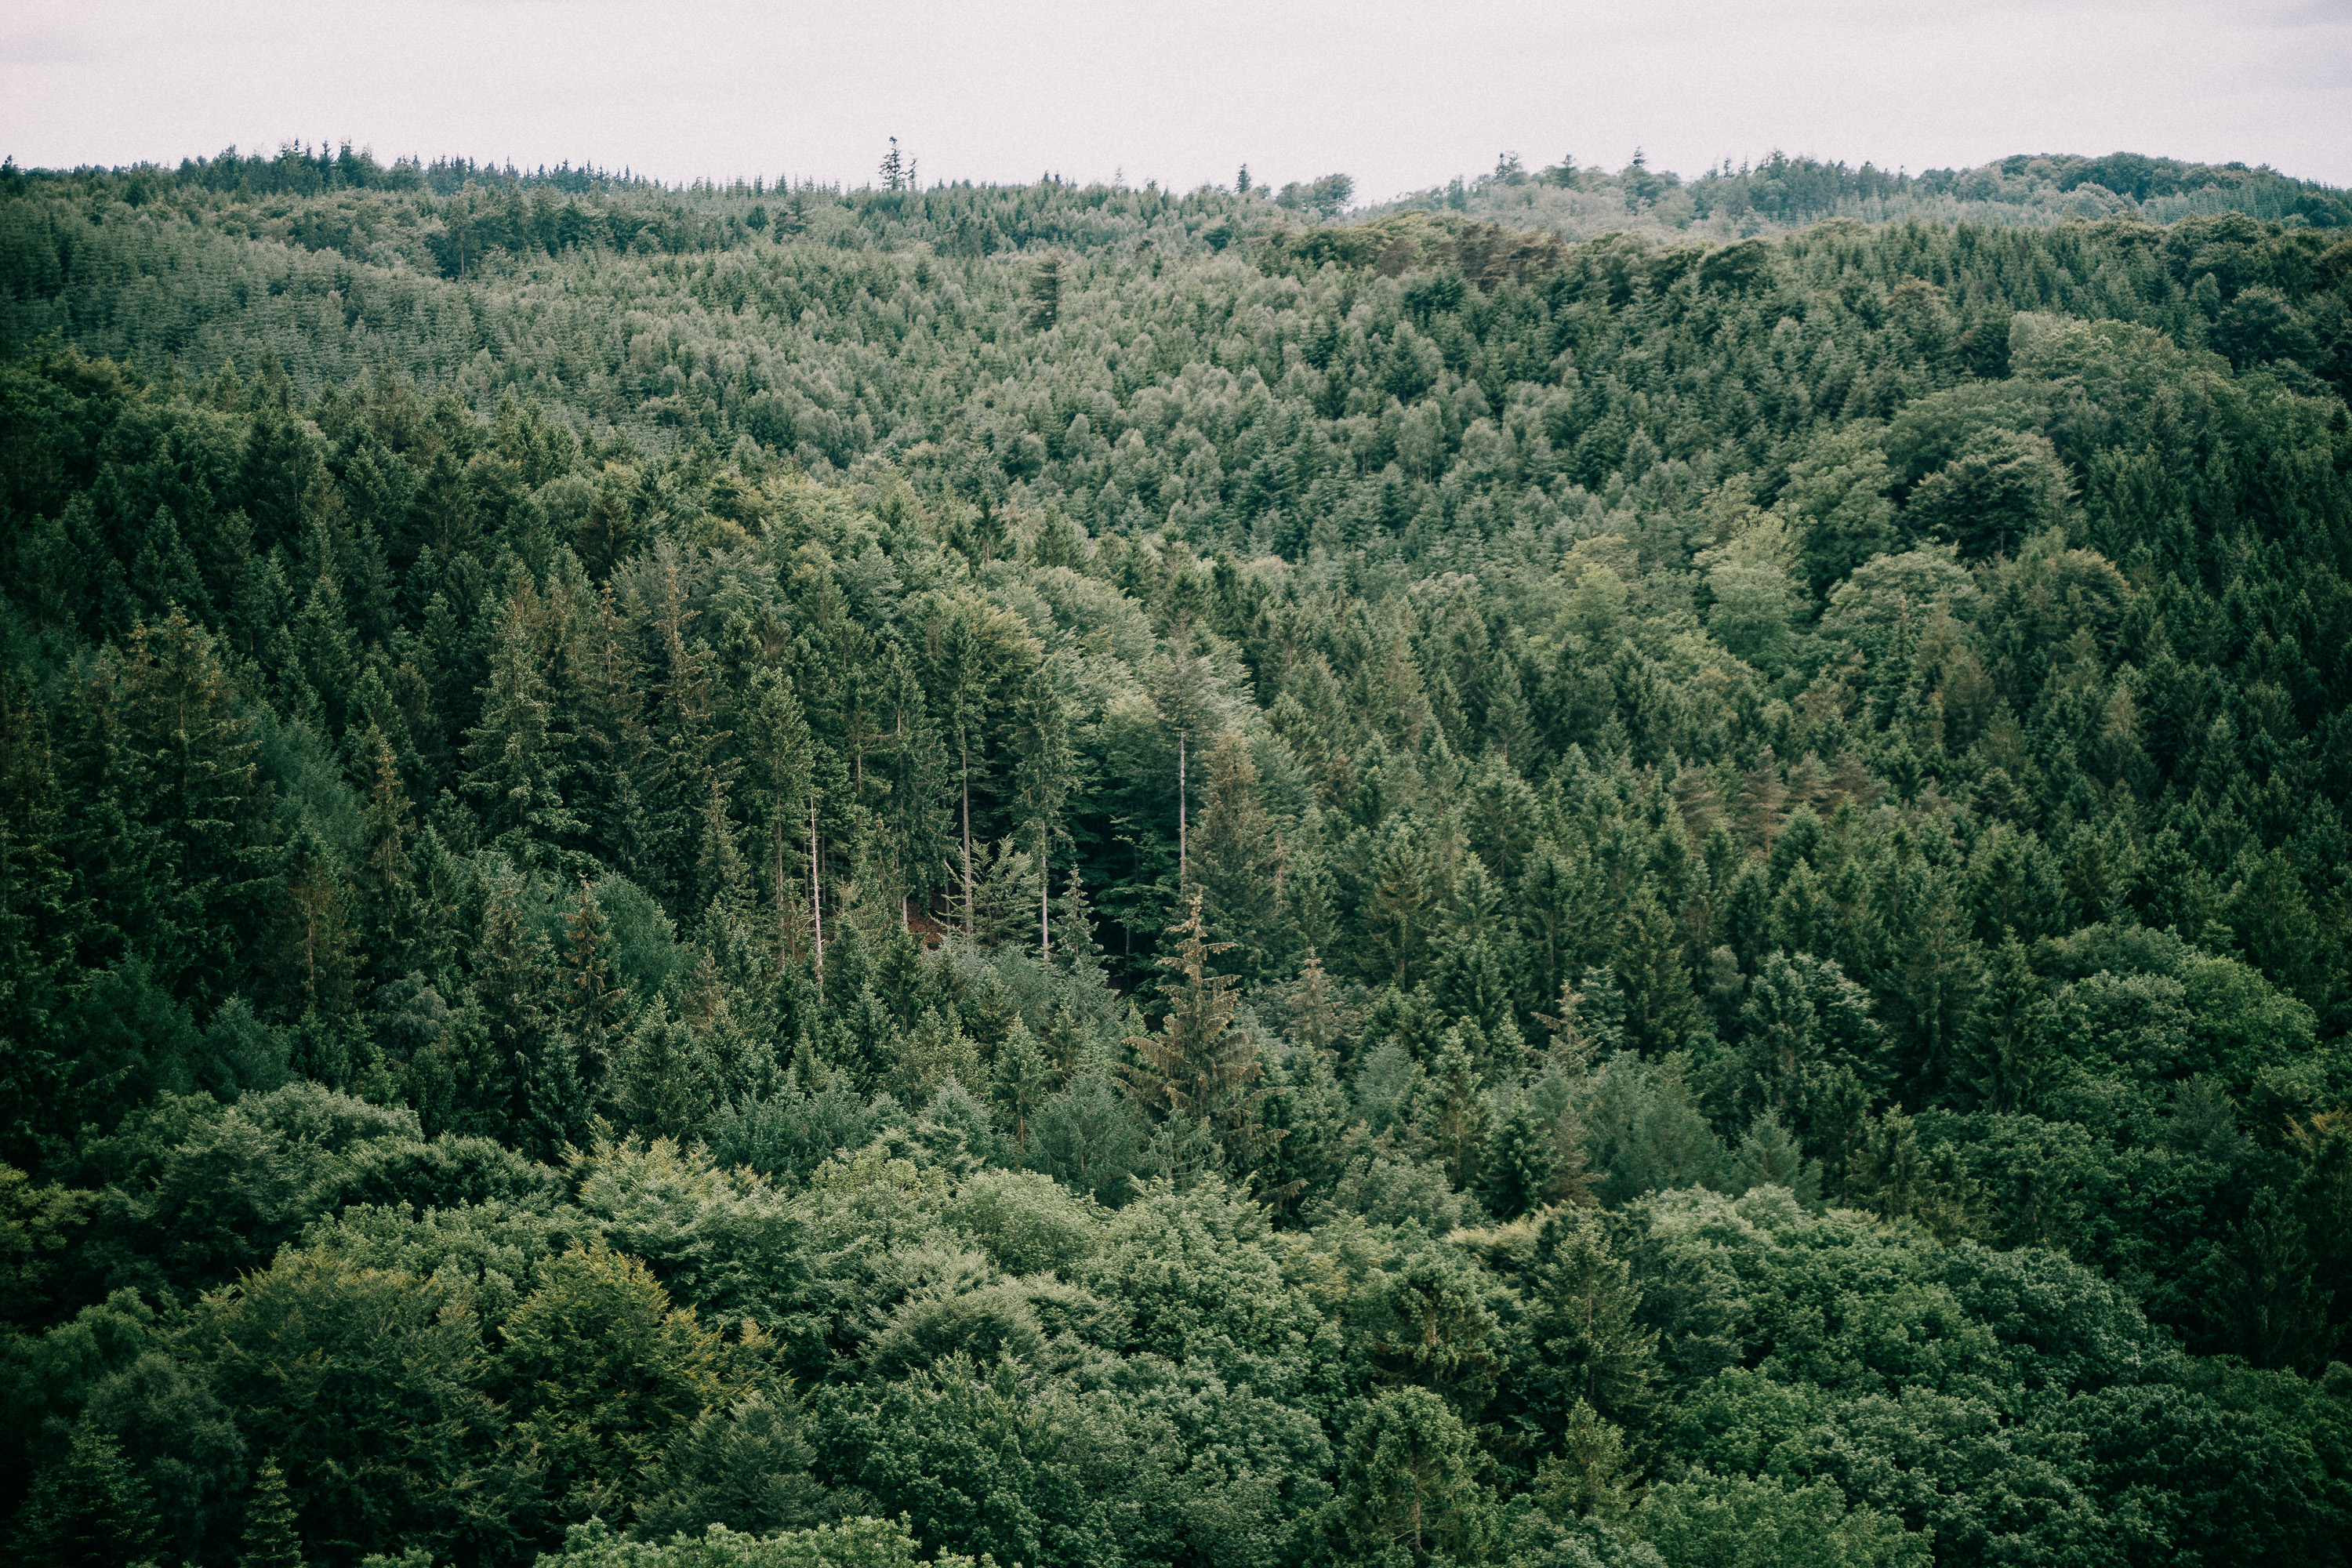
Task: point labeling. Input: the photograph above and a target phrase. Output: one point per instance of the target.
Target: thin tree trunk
(816, 898)
(1044, 883)
(1183, 855)
(776, 835)
(905, 901)
(965, 753)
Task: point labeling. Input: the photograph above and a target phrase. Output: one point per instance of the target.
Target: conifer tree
(1583, 1332)
(1194, 1069)
(383, 884)
(1045, 772)
(914, 766)
(2007, 1055)
(318, 968)
(1449, 1115)
(270, 1540)
(684, 739)
(184, 773)
(39, 917)
(1021, 1080)
(783, 783)
(609, 742)
(1409, 1485)
(88, 1508)
(513, 764)
(1661, 1009)
(1239, 868)
(588, 997)
(1519, 1160)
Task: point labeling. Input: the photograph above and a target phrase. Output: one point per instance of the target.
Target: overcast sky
(1400, 93)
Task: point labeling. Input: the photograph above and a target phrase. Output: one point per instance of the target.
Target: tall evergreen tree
(1194, 1069)
(513, 757)
(270, 1538)
(88, 1508)
(1044, 774)
(1238, 863)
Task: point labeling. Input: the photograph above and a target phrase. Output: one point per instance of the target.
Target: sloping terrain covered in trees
(1080, 876)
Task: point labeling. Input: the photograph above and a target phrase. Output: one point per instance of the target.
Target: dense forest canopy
(1587, 869)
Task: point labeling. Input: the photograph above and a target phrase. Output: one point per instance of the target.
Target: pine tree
(1046, 770)
(88, 1508)
(383, 884)
(1585, 1338)
(2007, 1057)
(270, 1540)
(513, 765)
(1449, 1115)
(914, 770)
(1194, 1069)
(1238, 864)
(1661, 1009)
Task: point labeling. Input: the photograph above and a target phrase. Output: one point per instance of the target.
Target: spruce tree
(1449, 1115)
(915, 768)
(184, 772)
(1583, 1333)
(2007, 1057)
(40, 921)
(383, 883)
(781, 780)
(1237, 863)
(87, 1509)
(270, 1540)
(1661, 1009)
(1045, 772)
(1194, 1069)
(513, 757)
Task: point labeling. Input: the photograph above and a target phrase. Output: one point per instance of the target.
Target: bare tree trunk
(1045, 885)
(776, 835)
(1183, 854)
(816, 898)
(967, 925)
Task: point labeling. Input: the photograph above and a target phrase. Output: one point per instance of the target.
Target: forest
(1586, 871)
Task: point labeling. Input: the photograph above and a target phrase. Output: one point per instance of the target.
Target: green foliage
(1735, 1519)
(269, 1538)
(855, 1542)
(1410, 1480)
(600, 1370)
(1582, 871)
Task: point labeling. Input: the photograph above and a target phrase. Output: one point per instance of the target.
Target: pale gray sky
(1401, 95)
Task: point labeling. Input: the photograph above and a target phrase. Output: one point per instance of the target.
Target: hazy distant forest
(1586, 869)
